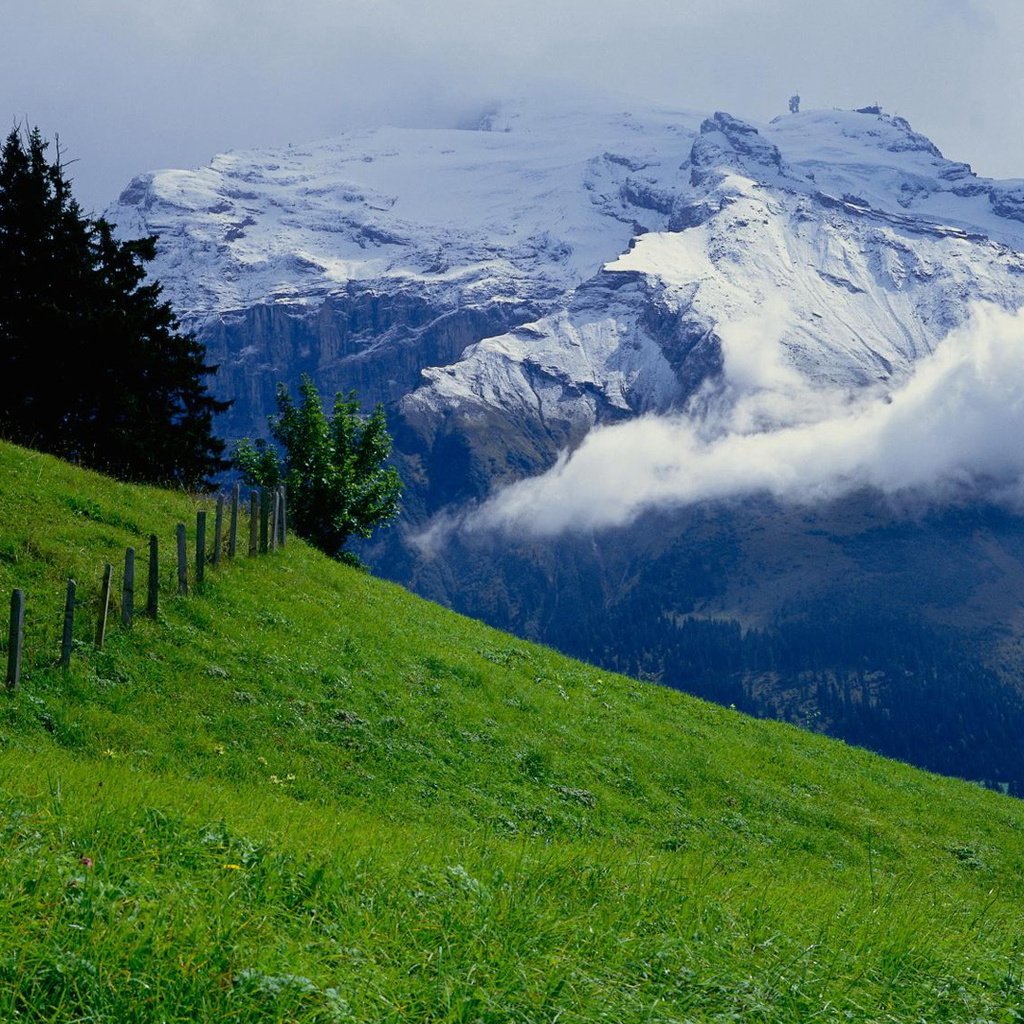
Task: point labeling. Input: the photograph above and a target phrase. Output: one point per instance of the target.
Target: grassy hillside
(306, 795)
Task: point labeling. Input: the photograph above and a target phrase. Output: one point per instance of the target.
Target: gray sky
(135, 85)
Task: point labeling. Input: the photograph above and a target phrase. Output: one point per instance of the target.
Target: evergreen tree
(334, 467)
(93, 366)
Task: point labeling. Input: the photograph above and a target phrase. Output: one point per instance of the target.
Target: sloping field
(305, 795)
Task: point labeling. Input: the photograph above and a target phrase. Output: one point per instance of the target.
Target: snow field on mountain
(513, 201)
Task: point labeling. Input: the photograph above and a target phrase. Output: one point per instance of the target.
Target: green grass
(306, 795)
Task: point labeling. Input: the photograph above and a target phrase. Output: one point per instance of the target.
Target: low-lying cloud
(954, 430)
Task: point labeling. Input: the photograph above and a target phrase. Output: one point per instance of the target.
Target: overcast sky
(135, 85)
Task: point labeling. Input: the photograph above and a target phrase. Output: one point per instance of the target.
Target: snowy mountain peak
(731, 146)
(877, 160)
(544, 193)
(569, 264)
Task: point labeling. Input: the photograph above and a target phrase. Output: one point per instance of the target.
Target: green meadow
(303, 794)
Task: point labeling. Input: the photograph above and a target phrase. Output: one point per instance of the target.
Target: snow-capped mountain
(365, 258)
(508, 286)
(845, 236)
(576, 266)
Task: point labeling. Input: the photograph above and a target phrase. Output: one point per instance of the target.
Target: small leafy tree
(334, 467)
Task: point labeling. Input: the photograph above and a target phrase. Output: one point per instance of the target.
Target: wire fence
(268, 530)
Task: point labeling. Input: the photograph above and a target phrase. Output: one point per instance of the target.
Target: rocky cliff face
(373, 341)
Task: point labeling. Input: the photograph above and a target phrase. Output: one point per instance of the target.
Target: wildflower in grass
(459, 878)
(232, 867)
(86, 861)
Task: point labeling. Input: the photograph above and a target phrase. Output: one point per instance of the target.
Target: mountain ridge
(526, 216)
(648, 287)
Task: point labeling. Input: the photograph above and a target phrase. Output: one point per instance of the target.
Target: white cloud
(134, 87)
(955, 429)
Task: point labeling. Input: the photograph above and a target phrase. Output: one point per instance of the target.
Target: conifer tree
(93, 365)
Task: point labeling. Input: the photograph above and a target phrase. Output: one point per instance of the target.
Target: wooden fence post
(182, 560)
(233, 526)
(101, 624)
(128, 589)
(284, 514)
(200, 548)
(68, 635)
(218, 529)
(264, 521)
(15, 638)
(253, 523)
(153, 593)
(275, 506)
